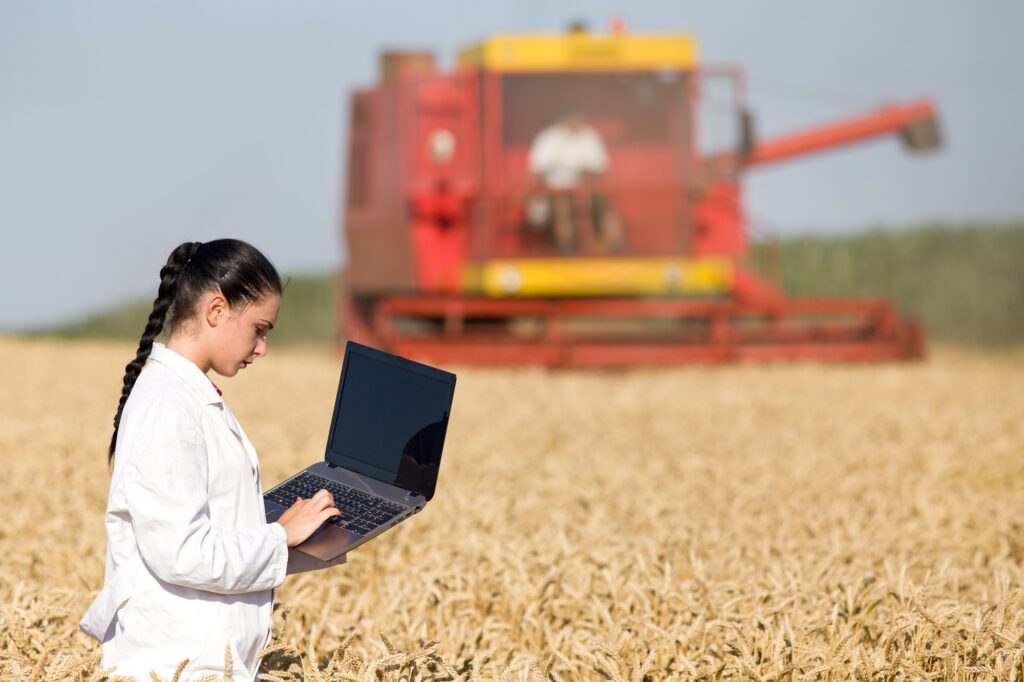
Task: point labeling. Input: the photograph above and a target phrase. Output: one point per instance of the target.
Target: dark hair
(242, 274)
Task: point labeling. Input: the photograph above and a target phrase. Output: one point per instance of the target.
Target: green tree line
(965, 283)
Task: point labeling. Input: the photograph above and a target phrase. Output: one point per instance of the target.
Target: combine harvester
(445, 266)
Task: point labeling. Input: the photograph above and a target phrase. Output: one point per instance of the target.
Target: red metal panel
(376, 223)
(718, 222)
(440, 193)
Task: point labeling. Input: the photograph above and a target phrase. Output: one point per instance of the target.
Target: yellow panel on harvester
(553, 277)
(581, 51)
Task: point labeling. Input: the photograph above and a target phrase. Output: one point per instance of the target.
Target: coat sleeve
(166, 483)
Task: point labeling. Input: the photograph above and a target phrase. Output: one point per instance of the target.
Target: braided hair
(238, 270)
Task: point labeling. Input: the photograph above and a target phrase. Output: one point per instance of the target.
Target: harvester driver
(566, 160)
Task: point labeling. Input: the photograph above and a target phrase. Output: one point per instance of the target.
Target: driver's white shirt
(561, 155)
(191, 561)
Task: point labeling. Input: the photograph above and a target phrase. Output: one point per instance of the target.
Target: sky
(127, 127)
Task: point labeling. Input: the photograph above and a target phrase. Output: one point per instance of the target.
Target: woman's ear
(215, 309)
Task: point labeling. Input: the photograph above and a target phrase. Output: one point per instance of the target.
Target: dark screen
(390, 422)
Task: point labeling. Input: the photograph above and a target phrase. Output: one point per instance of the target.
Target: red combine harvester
(454, 256)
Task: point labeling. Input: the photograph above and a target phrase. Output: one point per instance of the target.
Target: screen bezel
(335, 458)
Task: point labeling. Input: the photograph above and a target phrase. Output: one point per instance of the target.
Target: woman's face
(241, 335)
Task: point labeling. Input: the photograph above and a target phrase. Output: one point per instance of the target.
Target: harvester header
(548, 201)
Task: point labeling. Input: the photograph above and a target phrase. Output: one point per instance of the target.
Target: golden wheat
(783, 523)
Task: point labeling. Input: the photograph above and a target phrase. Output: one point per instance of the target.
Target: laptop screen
(390, 418)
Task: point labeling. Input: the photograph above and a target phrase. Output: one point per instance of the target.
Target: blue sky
(127, 127)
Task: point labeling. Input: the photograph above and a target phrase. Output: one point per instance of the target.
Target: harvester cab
(547, 201)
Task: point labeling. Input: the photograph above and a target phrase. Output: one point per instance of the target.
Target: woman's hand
(305, 516)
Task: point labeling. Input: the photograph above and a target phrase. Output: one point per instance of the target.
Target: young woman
(191, 561)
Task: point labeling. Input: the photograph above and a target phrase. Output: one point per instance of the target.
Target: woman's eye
(262, 331)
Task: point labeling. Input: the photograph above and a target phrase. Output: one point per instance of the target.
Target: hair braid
(169, 273)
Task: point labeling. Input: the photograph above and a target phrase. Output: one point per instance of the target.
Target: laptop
(383, 450)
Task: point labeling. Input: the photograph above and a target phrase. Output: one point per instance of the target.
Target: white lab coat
(191, 561)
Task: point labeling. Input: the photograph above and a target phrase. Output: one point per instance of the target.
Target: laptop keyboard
(360, 512)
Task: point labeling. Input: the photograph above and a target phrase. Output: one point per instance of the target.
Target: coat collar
(186, 370)
(195, 379)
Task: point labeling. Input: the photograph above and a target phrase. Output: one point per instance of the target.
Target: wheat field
(783, 522)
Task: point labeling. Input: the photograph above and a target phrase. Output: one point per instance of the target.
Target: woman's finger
(322, 494)
(328, 513)
(328, 498)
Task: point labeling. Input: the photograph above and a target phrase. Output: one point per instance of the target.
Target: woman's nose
(261, 348)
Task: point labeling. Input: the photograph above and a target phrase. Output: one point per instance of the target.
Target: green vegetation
(122, 322)
(309, 310)
(965, 283)
(308, 315)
